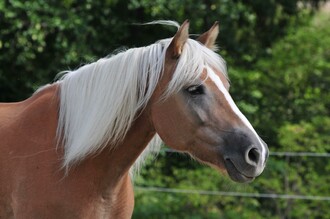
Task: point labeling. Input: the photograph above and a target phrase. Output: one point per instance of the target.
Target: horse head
(201, 118)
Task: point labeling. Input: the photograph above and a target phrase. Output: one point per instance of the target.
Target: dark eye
(195, 90)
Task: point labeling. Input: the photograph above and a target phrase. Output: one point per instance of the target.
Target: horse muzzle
(244, 158)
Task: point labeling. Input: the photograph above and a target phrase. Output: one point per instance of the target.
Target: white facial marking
(217, 81)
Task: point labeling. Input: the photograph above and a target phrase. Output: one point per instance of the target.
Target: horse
(69, 150)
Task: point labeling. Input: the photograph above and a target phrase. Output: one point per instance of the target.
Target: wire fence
(233, 194)
(241, 194)
(279, 153)
(299, 154)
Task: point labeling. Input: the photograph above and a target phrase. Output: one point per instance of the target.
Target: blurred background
(278, 56)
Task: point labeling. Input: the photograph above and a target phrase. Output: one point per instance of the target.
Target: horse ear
(209, 37)
(179, 40)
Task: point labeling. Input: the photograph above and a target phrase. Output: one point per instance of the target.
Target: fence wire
(234, 194)
(278, 153)
(241, 194)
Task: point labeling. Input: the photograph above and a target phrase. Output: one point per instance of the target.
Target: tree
(38, 39)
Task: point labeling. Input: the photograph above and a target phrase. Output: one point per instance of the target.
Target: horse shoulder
(27, 133)
(35, 119)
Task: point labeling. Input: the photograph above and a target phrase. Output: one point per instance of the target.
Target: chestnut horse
(67, 151)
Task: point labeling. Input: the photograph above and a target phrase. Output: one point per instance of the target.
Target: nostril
(253, 156)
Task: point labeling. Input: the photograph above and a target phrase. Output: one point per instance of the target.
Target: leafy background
(278, 55)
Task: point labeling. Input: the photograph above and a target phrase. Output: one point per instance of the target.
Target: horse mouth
(235, 174)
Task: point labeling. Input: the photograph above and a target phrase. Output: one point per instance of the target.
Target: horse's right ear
(179, 39)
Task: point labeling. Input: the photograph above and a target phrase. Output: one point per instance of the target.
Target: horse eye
(195, 90)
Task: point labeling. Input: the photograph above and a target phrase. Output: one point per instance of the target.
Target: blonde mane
(99, 101)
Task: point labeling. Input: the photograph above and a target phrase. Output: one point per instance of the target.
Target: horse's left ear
(179, 40)
(209, 37)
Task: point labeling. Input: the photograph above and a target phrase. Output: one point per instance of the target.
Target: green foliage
(41, 38)
(313, 135)
(248, 28)
(308, 175)
(300, 70)
(190, 176)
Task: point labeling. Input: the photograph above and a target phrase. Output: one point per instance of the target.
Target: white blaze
(217, 81)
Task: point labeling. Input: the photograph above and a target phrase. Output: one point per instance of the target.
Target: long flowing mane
(99, 101)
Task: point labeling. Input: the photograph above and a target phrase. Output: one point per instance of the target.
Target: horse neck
(113, 165)
(136, 140)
